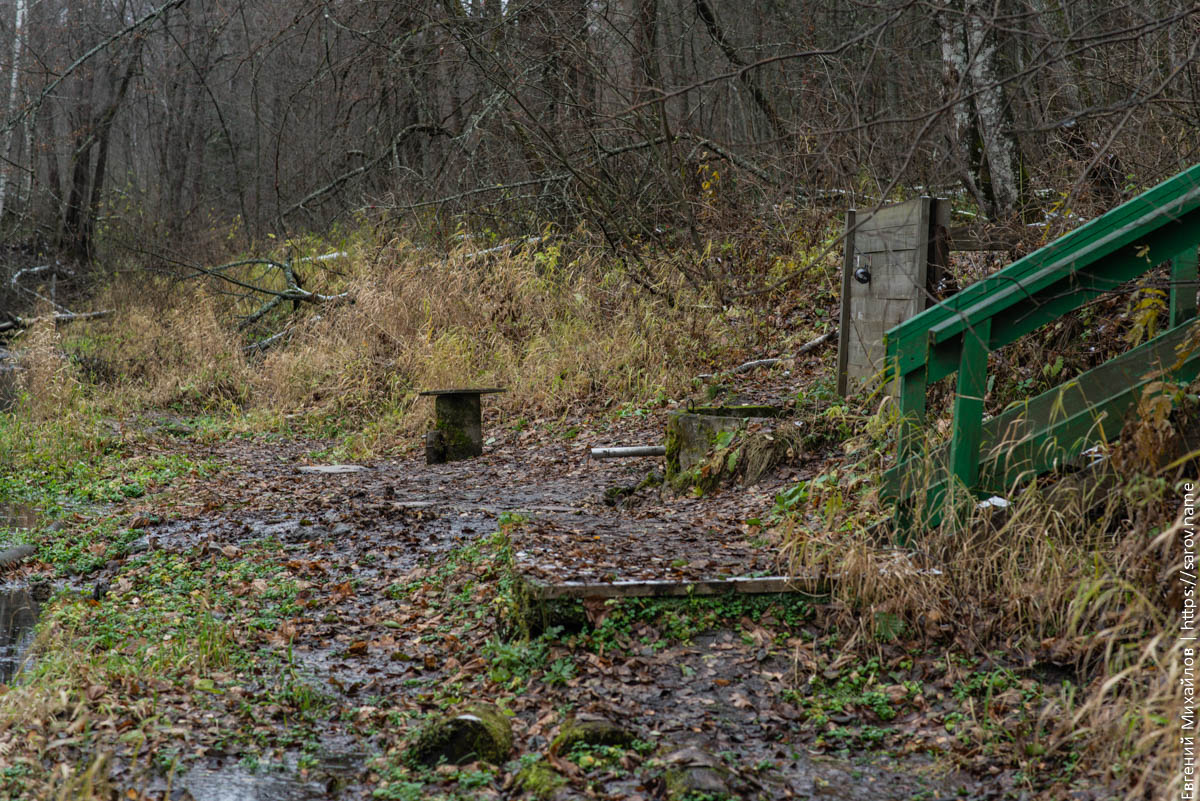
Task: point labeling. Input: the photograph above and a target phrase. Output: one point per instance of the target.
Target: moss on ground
(540, 780)
(474, 732)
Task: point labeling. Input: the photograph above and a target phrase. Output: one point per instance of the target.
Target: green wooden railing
(1159, 226)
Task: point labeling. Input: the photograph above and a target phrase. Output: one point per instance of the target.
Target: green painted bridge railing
(1159, 226)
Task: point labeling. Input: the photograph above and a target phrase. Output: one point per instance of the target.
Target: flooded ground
(405, 511)
(15, 515)
(8, 380)
(378, 524)
(354, 587)
(18, 614)
(18, 608)
(238, 784)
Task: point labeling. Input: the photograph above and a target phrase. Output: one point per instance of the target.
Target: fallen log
(11, 556)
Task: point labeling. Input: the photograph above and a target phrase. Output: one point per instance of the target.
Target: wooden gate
(894, 257)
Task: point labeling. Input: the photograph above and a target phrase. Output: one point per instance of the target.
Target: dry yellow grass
(561, 329)
(1078, 571)
(554, 335)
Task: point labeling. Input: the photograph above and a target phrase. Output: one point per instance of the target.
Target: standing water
(18, 614)
(18, 609)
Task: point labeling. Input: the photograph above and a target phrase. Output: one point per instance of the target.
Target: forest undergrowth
(1078, 573)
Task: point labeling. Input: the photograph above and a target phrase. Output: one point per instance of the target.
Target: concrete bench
(458, 425)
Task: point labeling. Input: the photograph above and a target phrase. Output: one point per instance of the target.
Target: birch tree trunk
(999, 146)
(956, 86)
(982, 142)
(13, 86)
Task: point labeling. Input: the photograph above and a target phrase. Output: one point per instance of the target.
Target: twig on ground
(808, 347)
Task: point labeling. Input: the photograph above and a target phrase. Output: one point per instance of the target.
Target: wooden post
(1184, 277)
(844, 320)
(968, 404)
(912, 412)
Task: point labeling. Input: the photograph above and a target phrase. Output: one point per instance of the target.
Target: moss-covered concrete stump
(475, 732)
(589, 732)
(693, 773)
(540, 781)
(458, 425)
(696, 435)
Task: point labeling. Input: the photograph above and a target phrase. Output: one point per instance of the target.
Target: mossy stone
(590, 732)
(693, 773)
(540, 780)
(473, 732)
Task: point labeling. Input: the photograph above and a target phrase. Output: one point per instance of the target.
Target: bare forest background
(237, 236)
(131, 128)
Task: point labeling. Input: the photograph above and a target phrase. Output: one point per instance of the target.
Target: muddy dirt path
(360, 602)
(352, 535)
(407, 510)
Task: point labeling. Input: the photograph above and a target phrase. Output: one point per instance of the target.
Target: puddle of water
(15, 515)
(337, 766)
(18, 614)
(235, 784)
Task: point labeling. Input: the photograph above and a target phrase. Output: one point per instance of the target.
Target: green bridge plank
(1184, 274)
(1161, 206)
(1018, 310)
(1054, 427)
(1159, 226)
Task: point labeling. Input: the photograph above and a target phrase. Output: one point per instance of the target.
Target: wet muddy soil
(18, 614)
(378, 628)
(405, 510)
(18, 606)
(392, 521)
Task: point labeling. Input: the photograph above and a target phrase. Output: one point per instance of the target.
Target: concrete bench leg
(458, 431)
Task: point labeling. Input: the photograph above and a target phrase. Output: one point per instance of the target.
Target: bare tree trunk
(646, 79)
(14, 85)
(982, 142)
(956, 83)
(999, 146)
(76, 237)
(745, 76)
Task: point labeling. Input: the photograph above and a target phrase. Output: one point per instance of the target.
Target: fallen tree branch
(55, 270)
(262, 312)
(293, 291)
(263, 344)
(12, 556)
(17, 323)
(807, 347)
(337, 254)
(41, 268)
(533, 240)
